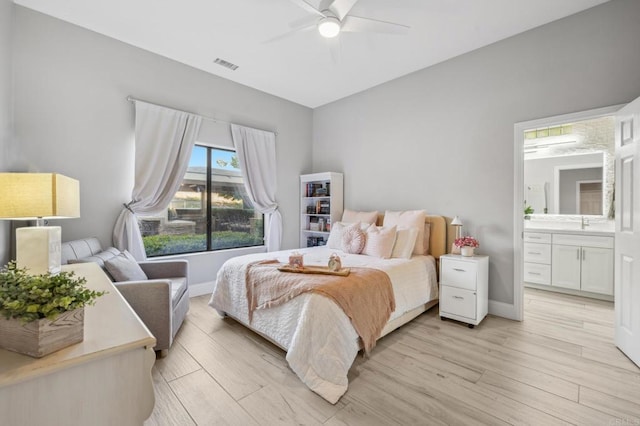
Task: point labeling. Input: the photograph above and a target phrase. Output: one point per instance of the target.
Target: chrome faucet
(583, 222)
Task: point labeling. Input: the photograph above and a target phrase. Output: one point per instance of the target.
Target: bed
(320, 340)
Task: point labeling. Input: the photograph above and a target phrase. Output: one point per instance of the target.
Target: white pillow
(408, 219)
(405, 241)
(380, 241)
(353, 239)
(335, 237)
(351, 216)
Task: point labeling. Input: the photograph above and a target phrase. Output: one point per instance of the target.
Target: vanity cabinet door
(565, 270)
(597, 270)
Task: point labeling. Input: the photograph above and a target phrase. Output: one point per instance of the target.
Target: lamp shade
(38, 195)
(456, 221)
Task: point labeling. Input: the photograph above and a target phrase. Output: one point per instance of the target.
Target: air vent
(226, 64)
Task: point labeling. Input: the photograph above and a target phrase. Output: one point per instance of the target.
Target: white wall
(72, 117)
(442, 138)
(6, 15)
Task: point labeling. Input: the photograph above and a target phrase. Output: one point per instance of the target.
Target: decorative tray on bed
(314, 270)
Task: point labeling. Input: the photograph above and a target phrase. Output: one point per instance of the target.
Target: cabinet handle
(459, 270)
(533, 252)
(534, 238)
(578, 254)
(583, 255)
(458, 297)
(535, 273)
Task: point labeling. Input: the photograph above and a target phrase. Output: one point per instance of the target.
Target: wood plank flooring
(558, 366)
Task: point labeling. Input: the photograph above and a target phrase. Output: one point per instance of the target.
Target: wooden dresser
(105, 379)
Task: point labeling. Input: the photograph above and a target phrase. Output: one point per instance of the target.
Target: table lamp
(458, 224)
(38, 196)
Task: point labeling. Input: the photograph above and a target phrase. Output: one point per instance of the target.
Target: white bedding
(320, 341)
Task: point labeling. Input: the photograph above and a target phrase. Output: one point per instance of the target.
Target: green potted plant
(40, 314)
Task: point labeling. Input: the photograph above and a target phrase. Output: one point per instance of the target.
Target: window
(210, 211)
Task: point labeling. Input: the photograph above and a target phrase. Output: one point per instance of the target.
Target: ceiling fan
(332, 17)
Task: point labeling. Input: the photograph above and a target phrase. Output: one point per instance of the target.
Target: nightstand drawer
(537, 273)
(537, 253)
(459, 273)
(457, 301)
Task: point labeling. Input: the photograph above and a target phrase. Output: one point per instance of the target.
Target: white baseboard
(201, 288)
(501, 309)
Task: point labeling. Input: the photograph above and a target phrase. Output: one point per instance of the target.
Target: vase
(467, 251)
(41, 337)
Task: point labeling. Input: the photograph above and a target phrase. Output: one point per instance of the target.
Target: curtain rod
(215, 120)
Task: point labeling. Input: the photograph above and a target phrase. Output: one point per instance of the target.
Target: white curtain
(164, 139)
(256, 150)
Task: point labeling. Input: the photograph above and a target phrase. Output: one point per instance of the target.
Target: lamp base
(38, 249)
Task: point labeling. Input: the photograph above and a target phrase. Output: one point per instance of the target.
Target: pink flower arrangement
(466, 242)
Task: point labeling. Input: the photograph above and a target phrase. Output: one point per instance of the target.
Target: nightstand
(464, 288)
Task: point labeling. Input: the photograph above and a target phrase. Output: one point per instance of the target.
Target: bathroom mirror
(566, 184)
(569, 169)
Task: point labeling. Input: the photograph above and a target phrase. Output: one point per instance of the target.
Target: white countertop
(595, 228)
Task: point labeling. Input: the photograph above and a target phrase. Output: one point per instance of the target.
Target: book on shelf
(312, 190)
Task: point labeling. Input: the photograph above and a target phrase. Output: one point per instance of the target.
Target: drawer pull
(458, 297)
(534, 238)
(533, 252)
(459, 270)
(535, 273)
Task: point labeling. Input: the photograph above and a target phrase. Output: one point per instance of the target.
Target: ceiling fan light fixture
(329, 26)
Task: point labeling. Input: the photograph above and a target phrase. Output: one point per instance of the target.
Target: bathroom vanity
(575, 261)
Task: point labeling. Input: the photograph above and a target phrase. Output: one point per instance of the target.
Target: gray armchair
(161, 302)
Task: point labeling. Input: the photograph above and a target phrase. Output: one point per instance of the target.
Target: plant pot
(467, 251)
(42, 337)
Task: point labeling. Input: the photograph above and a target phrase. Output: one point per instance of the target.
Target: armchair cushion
(98, 257)
(122, 268)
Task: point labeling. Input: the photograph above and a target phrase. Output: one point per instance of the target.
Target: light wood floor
(559, 366)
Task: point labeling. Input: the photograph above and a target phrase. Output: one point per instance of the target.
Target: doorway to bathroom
(564, 205)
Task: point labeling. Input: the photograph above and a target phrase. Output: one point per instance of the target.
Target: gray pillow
(124, 268)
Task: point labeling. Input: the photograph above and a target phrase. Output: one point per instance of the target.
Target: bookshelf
(321, 204)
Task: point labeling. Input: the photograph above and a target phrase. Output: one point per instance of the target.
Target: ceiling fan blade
(306, 6)
(303, 22)
(357, 24)
(341, 7)
(290, 33)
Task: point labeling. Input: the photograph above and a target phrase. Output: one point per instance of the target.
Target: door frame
(518, 189)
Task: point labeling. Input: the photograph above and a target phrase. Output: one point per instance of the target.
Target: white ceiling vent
(226, 64)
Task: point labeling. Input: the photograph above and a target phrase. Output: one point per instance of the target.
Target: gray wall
(442, 138)
(6, 14)
(72, 117)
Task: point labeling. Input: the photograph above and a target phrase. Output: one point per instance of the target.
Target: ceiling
(302, 68)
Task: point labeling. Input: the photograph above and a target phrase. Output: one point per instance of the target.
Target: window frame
(208, 201)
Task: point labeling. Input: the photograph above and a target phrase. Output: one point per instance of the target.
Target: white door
(597, 270)
(565, 266)
(627, 245)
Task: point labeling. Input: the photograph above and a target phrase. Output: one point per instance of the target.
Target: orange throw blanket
(365, 296)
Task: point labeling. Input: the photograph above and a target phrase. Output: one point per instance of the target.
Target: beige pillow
(351, 216)
(405, 241)
(353, 239)
(408, 219)
(380, 241)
